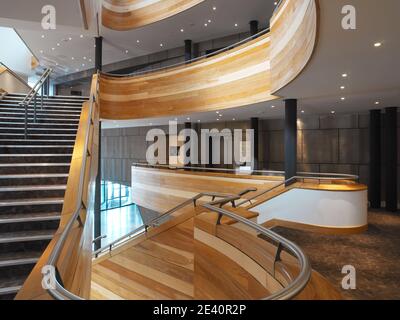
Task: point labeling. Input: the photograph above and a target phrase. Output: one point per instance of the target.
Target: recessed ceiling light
(53, 49)
(83, 64)
(81, 36)
(342, 98)
(188, 119)
(161, 45)
(342, 87)
(72, 58)
(333, 112)
(275, 3)
(272, 107)
(209, 21)
(58, 44)
(206, 25)
(377, 102)
(302, 111)
(217, 112)
(233, 119)
(198, 120)
(84, 58)
(214, 8)
(377, 44)
(41, 51)
(217, 119)
(236, 25)
(69, 38)
(344, 75)
(126, 51)
(182, 30)
(220, 115)
(42, 36)
(90, 60)
(138, 41)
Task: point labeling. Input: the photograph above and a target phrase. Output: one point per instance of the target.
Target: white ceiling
(68, 56)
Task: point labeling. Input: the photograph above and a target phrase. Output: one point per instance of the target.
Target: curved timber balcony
(245, 74)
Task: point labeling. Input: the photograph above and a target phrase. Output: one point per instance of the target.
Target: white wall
(14, 53)
(330, 209)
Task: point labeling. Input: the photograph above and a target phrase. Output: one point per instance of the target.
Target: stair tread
(30, 202)
(56, 164)
(29, 217)
(18, 258)
(35, 154)
(36, 146)
(33, 188)
(33, 175)
(21, 236)
(11, 286)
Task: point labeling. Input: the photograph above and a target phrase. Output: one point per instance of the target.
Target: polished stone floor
(375, 254)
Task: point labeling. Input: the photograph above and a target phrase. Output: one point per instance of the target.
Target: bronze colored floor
(375, 254)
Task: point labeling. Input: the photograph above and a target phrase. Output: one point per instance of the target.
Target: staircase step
(35, 158)
(36, 191)
(29, 217)
(9, 288)
(38, 235)
(33, 179)
(39, 125)
(46, 108)
(71, 97)
(39, 120)
(35, 142)
(38, 136)
(30, 168)
(39, 114)
(39, 111)
(36, 130)
(19, 258)
(45, 102)
(37, 149)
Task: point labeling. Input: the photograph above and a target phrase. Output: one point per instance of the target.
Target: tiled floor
(375, 254)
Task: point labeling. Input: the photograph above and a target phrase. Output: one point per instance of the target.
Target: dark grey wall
(329, 143)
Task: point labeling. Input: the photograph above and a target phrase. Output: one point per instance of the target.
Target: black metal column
(290, 138)
(391, 158)
(188, 50)
(253, 27)
(255, 127)
(97, 205)
(99, 54)
(375, 159)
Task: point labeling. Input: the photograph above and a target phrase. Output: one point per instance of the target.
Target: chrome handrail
(304, 276)
(230, 47)
(154, 221)
(321, 177)
(171, 167)
(15, 74)
(32, 94)
(59, 292)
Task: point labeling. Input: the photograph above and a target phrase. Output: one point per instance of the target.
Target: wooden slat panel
(131, 14)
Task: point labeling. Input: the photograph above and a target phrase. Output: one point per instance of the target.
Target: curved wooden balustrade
(11, 82)
(235, 78)
(293, 39)
(245, 75)
(125, 15)
(75, 262)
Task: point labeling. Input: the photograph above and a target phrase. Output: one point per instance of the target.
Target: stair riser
(24, 246)
(45, 103)
(17, 227)
(13, 272)
(29, 142)
(46, 114)
(31, 194)
(39, 120)
(33, 169)
(43, 131)
(36, 159)
(38, 137)
(38, 125)
(31, 209)
(36, 150)
(45, 109)
(33, 182)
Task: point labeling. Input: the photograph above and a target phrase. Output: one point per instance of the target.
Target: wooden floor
(163, 268)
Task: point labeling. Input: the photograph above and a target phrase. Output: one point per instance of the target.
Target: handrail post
(26, 122)
(41, 102)
(34, 109)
